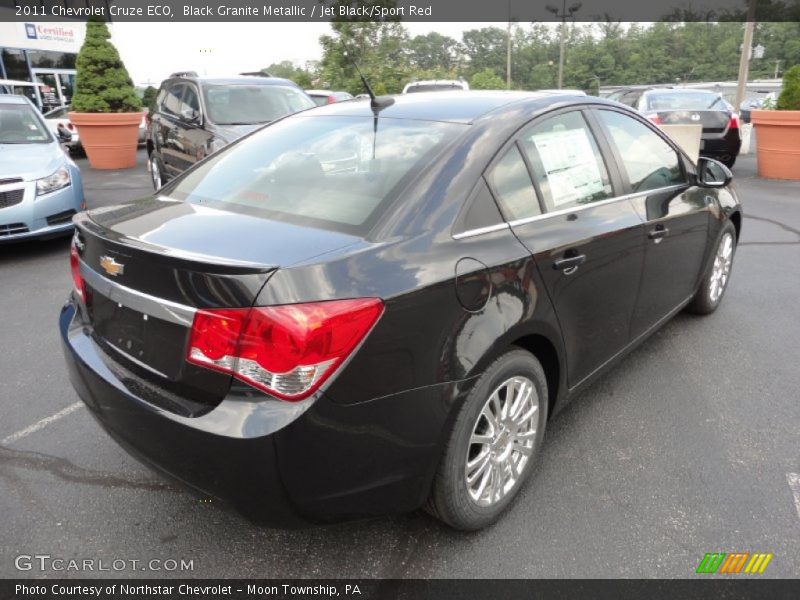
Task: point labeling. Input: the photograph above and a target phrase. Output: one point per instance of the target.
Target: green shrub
(790, 95)
(102, 83)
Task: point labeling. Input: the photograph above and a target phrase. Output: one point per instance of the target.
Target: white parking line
(794, 484)
(42, 424)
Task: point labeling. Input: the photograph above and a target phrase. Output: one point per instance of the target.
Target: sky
(151, 51)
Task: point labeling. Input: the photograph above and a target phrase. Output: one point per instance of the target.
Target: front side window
(20, 125)
(648, 161)
(252, 104)
(566, 162)
(172, 101)
(190, 105)
(331, 172)
(512, 186)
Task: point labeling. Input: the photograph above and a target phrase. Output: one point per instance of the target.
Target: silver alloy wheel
(722, 267)
(155, 172)
(502, 441)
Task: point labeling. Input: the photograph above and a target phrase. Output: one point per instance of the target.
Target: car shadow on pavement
(30, 250)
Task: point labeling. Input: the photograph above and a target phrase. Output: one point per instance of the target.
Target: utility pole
(564, 14)
(744, 60)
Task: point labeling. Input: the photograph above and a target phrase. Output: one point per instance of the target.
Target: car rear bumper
(278, 463)
(728, 144)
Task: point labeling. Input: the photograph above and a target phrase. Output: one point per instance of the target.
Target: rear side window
(566, 161)
(648, 162)
(336, 173)
(512, 186)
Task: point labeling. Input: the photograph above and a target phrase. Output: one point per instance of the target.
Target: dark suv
(195, 116)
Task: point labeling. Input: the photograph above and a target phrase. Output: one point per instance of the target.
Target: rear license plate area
(150, 342)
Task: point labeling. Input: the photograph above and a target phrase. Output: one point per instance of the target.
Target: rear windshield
(330, 172)
(252, 104)
(20, 125)
(688, 100)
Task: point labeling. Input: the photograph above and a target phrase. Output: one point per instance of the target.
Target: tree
(149, 98)
(790, 94)
(486, 80)
(288, 70)
(102, 83)
(379, 49)
(485, 49)
(435, 53)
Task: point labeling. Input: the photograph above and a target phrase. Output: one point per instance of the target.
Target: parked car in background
(316, 343)
(564, 92)
(436, 85)
(323, 97)
(58, 118)
(756, 103)
(720, 139)
(40, 187)
(195, 116)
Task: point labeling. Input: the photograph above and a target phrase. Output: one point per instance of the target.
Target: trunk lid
(149, 265)
(712, 121)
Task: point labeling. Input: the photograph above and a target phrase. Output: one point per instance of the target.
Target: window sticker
(570, 164)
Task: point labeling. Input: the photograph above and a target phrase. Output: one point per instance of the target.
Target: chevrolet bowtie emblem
(111, 266)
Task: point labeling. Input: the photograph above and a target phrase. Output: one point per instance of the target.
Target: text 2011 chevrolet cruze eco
(376, 305)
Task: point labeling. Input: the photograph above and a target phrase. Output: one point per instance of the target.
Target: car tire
(475, 482)
(729, 161)
(156, 171)
(713, 285)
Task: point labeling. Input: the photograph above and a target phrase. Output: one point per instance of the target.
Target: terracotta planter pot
(109, 139)
(778, 143)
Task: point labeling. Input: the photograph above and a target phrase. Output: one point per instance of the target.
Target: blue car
(40, 187)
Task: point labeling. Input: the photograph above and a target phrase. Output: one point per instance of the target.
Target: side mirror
(190, 115)
(712, 173)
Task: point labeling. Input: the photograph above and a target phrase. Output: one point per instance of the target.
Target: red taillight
(330, 100)
(654, 118)
(734, 122)
(289, 350)
(75, 267)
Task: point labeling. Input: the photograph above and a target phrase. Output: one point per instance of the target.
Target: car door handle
(658, 233)
(569, 264)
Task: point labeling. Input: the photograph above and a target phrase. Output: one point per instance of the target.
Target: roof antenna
(377, 103)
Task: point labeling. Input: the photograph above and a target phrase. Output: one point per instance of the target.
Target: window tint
(566, 161)
(19, 124)
(251, 104)
(172, 102)
(648, 161)
(631, 98)
(512, 184)
(331, 172)
(190, 101)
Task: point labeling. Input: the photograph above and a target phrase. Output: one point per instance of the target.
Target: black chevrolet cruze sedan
(376, 306)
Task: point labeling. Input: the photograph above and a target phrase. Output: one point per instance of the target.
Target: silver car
(40, 186)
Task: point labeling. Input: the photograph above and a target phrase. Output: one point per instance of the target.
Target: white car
(59, 119)
(436, 85)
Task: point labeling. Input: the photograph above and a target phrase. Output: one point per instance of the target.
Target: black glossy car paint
(455, 298)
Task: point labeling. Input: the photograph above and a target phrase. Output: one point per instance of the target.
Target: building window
(16, 67)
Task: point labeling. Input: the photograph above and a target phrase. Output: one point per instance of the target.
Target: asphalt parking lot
(689, 446)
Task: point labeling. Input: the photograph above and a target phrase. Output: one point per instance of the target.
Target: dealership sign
(50, 33)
